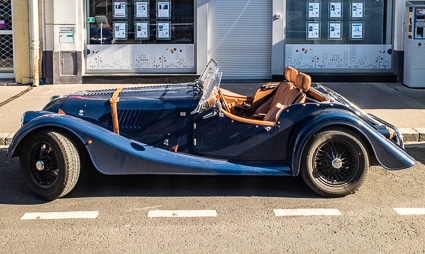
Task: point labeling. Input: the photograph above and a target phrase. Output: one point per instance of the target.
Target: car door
(216, 135)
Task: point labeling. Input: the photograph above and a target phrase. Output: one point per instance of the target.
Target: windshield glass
(210, 83)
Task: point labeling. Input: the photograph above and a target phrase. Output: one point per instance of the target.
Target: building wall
(65, 62)
(21, 43)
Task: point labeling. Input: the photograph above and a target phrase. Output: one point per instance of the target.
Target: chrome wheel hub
(39, 165)
(337, 163)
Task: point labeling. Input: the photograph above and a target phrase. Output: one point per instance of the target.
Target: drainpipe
(35, 41)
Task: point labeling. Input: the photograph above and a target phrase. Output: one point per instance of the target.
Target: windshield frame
(209, 82)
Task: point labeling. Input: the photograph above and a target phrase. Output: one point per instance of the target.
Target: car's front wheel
(50, 164)
(334, 162)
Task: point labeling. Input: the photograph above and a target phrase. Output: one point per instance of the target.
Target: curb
(9, 83)
(413, 134)
(409, 135)
(6, 138)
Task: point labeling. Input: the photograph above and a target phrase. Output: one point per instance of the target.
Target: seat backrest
(285, 96)
(290, 74)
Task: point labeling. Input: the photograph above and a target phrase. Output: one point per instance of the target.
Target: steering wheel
(223, 101)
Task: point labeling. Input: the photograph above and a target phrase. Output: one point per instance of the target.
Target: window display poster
(335, 32)
(120, 9)
(163, 9)
(313, 10)
(120, 30)
(142, 9)
(335, 9)
(356, 30)
(313, 30)
(163, 30)
(357, 10)
(142, 30)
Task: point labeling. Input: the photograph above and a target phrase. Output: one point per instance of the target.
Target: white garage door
(239, 38)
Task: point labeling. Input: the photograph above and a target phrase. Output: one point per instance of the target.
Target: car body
(200, 128)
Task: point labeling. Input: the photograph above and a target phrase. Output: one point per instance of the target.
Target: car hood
(90, 103)
(157, 97)
(161, 92)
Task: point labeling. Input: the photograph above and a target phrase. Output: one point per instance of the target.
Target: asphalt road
(186, 214)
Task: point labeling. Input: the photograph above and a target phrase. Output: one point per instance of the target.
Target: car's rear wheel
(50, 164)
(334, 162)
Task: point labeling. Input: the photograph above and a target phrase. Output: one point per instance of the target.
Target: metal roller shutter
(239, 38)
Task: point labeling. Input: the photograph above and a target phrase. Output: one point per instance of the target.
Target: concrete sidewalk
(395, 103)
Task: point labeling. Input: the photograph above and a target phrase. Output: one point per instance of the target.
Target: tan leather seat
(286, 94)
(290, 74)
(266, 90)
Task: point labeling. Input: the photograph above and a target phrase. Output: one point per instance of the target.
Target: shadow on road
(94, 184)
(417, 151)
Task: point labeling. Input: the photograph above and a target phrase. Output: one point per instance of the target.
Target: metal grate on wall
(6, 36)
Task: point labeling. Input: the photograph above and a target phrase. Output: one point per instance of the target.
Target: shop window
(140, 21)
(141, 36)
(339, 35)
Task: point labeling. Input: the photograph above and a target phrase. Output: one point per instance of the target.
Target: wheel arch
(85, 160)
(380, 149)
(305, 135)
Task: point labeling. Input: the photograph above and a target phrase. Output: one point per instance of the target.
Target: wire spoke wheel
(50, 164)
(44, 164)
(334, 162)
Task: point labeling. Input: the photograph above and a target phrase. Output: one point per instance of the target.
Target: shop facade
(251, 40)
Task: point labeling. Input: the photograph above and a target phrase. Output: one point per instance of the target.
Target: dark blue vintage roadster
(286, 128)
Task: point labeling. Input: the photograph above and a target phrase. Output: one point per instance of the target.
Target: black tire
(334, 162)
(50, 164)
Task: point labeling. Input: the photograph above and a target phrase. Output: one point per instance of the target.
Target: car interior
(270, 99)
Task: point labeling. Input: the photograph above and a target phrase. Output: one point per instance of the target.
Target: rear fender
(388, 154)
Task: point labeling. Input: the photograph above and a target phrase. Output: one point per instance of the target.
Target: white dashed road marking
(204, 213)
(61, 215)
(182, 213)
(306, 212)
(410, 211)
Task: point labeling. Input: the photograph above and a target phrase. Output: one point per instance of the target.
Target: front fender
(36, 120)
(388, 154)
